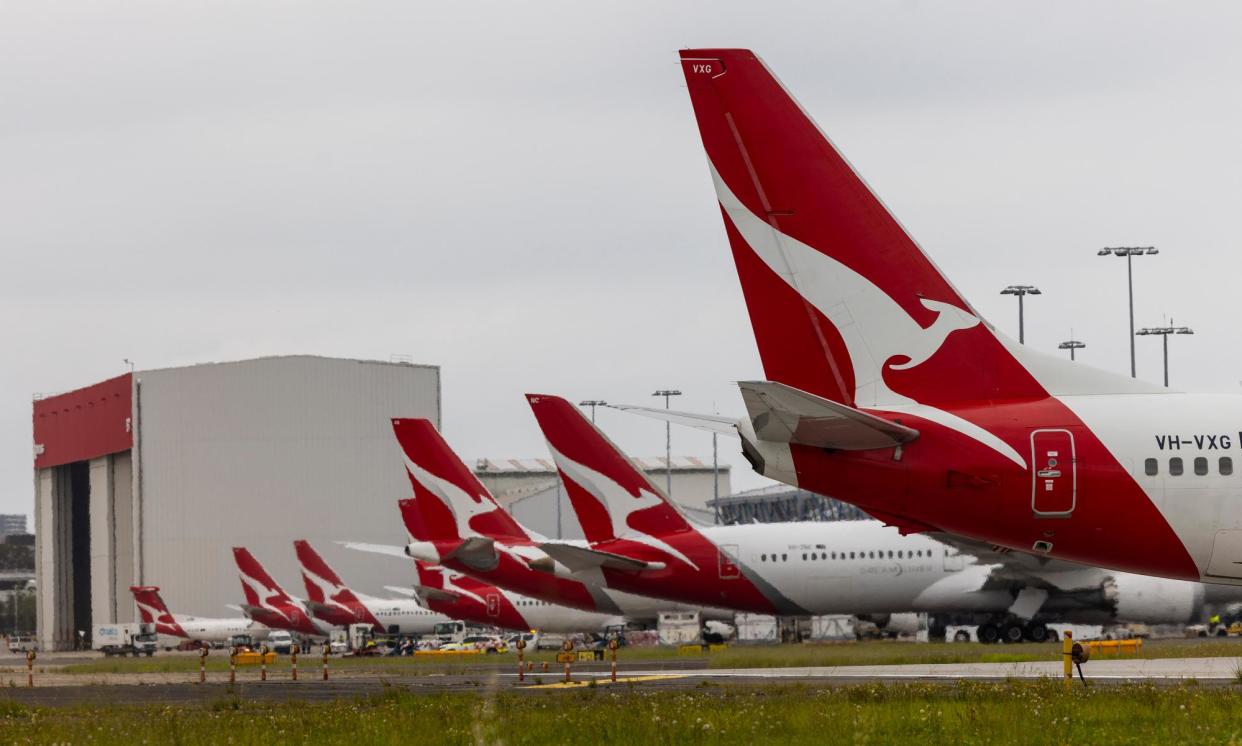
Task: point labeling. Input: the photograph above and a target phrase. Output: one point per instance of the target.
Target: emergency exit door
(1054, 473)
(493, 604)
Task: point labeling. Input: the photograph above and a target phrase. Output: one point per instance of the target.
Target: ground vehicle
(22, 643)
(280, 641)
(134, 638)
(452, 631)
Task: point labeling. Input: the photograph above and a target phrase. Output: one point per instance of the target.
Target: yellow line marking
(607, 681)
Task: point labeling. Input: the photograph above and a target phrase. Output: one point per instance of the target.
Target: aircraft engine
(1140, 598)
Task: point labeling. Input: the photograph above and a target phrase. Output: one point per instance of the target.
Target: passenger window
(1175, 466)
(804, 556)
(784, 557)
(1151, 467)
(1226, 466)
(834, 555)
(890, 554)
(851, 555)
(763, 558)
(1200, 466)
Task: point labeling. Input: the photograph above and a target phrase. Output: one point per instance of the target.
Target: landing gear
(1011, 632)
(1036, 632)
(961, 636)
(988, 633)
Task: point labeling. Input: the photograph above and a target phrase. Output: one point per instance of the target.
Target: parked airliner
(153, 610)
(886, 389)
(331, 601)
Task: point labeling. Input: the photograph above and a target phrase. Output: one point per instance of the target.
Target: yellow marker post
(293, 661)
(202, 664)
(521, 648)
(1067, 657)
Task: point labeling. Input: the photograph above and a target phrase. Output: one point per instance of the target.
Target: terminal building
(779, 503)
(153, 476)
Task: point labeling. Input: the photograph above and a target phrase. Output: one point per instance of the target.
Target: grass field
(1012, 713)
(738, 656)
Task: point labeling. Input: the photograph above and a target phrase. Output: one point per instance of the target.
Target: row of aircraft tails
(641, 556)
(1001, 478)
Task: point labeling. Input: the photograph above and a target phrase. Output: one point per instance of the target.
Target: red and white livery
(153, 610)
(888, 390)
(268, 604)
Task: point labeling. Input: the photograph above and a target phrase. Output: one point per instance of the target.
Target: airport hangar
(153, 476)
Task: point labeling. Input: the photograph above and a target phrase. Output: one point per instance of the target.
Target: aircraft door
(727, 562)
(493, 604)
(1054, 473)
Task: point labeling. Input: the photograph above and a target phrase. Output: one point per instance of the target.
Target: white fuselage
(204, 629)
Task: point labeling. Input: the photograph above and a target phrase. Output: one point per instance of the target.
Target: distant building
(780, 503)
(12, 523)
(531, 490)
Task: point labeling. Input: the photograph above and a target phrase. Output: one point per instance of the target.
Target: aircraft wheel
(961, 636)
(1012, 632)
(1036, 632)
(988, 633)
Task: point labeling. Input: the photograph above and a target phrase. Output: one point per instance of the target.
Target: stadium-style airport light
(1021, 291)
(1129, 252)
(668, 442)
(1071, 345)
(1164, 332)
(593, 403)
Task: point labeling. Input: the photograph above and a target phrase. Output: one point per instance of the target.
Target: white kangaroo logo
(618, 503)
(461, 504)
(875, 328)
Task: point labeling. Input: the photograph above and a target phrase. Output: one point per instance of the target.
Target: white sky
(516, 191)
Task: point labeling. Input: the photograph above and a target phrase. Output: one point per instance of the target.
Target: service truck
(134, 638)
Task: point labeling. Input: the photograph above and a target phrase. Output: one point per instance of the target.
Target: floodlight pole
(1129, 252)
(1071, 345)
(593, 403)
(1021, 291)
(1164, 332)
(668, 442)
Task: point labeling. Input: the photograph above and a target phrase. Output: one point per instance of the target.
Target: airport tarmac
(56, 689)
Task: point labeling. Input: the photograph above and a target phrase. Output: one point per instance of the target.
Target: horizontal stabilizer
(477, 551)
(711, 422)
(427, 594)
(401, 590)
(318, 609)
(385, 549)
(234, 607)
(251, 610)
(784, 414)
(581, 559)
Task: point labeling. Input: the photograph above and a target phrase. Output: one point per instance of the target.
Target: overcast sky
(516, 191)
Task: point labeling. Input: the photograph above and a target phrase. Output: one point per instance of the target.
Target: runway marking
(605, 681)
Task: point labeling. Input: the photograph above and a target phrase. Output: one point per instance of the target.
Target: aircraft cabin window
(1200, 466)
(1151, 467)
(763, 558)
(1175, 467)
(804, 556)
(851, 555)
(834, 555)
(1226, 466)
(784, 557)
(890, 554)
